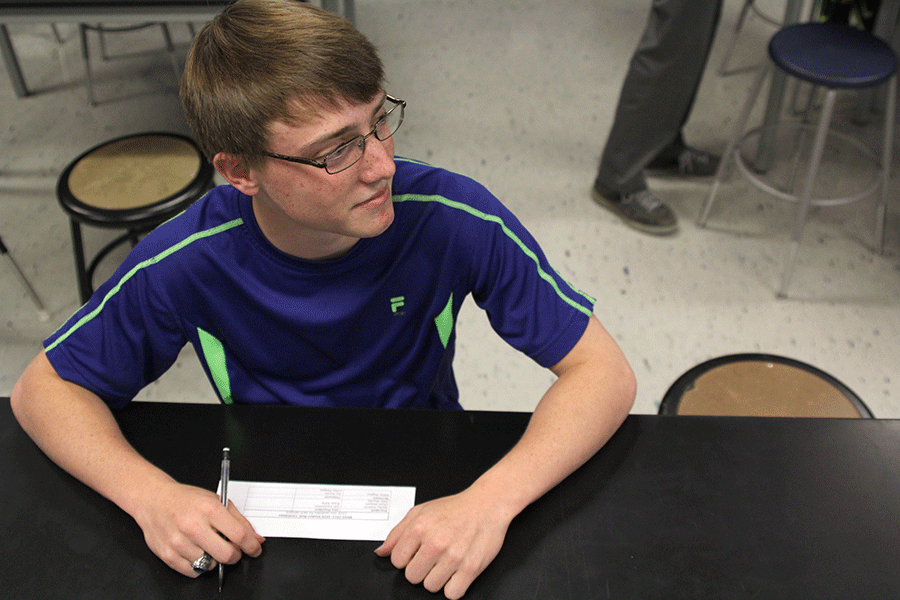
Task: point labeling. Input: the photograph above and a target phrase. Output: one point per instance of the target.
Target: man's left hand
(446, 543)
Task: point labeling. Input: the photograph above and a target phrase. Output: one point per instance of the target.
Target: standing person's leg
(656, 98)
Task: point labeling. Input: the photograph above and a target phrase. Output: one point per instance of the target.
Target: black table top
(38, 4)
(75, 10)
(672, 507)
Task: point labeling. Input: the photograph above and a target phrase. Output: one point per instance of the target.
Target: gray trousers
(658, 90)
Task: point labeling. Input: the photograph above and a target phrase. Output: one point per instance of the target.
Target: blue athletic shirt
(374, 328)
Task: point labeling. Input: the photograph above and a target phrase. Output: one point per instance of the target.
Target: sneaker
(640, 210)
(690, 162)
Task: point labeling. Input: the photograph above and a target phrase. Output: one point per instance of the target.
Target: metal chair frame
(102, 30)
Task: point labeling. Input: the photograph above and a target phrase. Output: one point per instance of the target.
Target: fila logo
(397, 304)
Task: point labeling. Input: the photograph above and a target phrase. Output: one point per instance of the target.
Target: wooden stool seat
(761, 385)
(133, 183)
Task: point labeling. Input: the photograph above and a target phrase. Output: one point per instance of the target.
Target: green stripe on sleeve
(214, 353)
(147, 263)
(509, 233)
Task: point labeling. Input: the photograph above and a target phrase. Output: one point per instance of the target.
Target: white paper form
(326, 512)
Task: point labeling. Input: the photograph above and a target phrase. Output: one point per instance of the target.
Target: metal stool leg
(733, 145)
(802, 211)
(85, 289)
(723, 68)
(56, 34)
(170, 49)
(886, 158)
(42, 311)
(85, 53)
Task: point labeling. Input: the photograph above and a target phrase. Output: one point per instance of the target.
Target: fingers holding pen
(233, 526)
(185, 521)
(214, 547)
(228, 536)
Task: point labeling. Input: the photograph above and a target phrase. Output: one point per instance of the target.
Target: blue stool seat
(833, 55)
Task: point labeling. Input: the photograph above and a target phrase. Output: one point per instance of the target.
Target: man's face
(310, 213)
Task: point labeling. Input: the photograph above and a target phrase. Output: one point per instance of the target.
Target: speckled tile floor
(520, 96)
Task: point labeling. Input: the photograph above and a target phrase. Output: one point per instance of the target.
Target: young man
(327, 273)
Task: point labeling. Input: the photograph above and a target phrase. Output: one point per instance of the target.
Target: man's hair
(262, 61)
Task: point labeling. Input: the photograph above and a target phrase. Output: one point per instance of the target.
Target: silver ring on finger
(202, 564)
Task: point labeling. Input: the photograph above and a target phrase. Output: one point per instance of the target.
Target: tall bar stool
(761, 385)
(135, 183)
(837, 57)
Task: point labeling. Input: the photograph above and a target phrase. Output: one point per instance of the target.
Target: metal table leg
(12, 63)
(345, 8)
(42, 311)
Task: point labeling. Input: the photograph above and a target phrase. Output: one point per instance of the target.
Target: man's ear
(236, 172)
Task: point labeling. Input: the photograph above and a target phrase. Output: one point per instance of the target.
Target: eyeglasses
(348, 154)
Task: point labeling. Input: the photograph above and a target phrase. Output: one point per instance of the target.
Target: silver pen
(226, 472)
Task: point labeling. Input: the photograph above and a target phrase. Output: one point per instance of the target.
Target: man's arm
(448, 542)
(78, 432)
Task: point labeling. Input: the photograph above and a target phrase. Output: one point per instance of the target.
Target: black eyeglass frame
(359, 140)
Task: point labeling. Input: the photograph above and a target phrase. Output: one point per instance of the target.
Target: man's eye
(340, 151)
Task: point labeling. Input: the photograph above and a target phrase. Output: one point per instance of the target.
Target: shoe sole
(644, 227)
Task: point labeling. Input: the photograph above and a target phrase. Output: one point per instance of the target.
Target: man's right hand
(77, 431)
(181, 522)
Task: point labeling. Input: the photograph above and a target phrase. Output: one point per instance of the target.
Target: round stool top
(134, 171)
(834, 55)
(765, 389)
